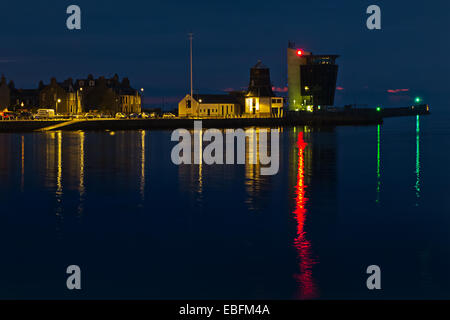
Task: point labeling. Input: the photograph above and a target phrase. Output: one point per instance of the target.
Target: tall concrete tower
(295, 59)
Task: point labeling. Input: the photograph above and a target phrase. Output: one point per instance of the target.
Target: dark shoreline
(352, 117)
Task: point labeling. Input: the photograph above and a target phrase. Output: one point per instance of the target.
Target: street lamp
(142, 98)
(57, 101)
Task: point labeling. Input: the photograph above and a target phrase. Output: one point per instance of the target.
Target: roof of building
(127, 91)
(260, 85)
(121, 87)
(260, 92)
(27, 91)
(66, 85)
(259, 65)
(323, 56)
(215, 98)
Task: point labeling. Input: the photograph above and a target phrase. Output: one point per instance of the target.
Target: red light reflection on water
(307, 287)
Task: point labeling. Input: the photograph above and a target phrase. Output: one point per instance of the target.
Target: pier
(319, 118)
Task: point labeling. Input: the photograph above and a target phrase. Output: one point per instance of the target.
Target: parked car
(134, 116)
(45, 113)
(7, 115)
(144, 115)
(90, 115)
(25, 116)
(168, 115)
(60, 116)
(10, 115)
(120, 115)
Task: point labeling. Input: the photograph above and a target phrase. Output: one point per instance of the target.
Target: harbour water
(141, 227)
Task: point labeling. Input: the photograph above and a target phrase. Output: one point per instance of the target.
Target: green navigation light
(378, 109)
(418, 99)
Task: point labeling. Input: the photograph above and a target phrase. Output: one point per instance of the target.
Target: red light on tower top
(299, 53)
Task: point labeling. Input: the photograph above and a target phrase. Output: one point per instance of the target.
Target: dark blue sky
(147, 41)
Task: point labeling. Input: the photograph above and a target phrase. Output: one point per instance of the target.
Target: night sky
(147, 42)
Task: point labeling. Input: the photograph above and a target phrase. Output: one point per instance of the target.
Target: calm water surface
(141, 227)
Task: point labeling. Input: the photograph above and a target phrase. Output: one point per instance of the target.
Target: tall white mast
(190, 42)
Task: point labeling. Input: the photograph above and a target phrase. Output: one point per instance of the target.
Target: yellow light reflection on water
(81, 184)
(142, 183)
(82, 138)
(22, 172)
(59, 164)
(253, 179)
(199, 134)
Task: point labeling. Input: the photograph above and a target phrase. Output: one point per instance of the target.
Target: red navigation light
(299, 53)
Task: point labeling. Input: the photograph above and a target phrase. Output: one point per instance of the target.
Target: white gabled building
(209, 106)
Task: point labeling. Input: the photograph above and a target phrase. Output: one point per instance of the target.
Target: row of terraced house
(70, 97)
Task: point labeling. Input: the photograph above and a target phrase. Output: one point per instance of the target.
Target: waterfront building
(311, 79)
(97, 96)
(4, 94)
(24, 99)
(62, 97)
(109, 95)
(73, 97)
(129, 99)
(210, 105)
(260, 99)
